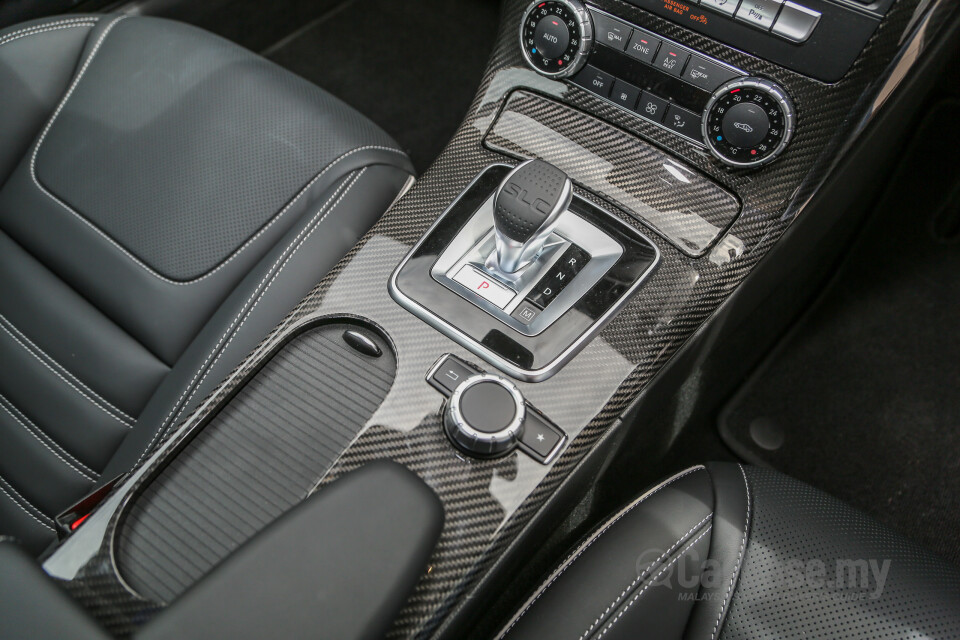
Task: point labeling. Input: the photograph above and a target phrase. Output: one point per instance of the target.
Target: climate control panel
(743, 121)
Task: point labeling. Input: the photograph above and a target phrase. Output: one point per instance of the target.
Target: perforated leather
(770, 571)
(165, 198)
(791, 588)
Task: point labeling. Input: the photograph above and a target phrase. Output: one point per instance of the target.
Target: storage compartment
(257, 457)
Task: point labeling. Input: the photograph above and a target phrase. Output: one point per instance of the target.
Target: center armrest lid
(341, 564)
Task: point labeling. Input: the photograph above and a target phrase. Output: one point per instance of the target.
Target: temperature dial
(555, 36)
(748, 122)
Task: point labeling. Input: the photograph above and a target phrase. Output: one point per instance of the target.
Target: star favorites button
(540, 438)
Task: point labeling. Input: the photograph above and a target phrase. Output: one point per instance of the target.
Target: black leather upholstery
(33, 607)
(725, 551)
(165, 198)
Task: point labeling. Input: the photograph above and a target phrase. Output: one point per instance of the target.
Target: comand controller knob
(556, 36)
(748, 122)
(484, 416)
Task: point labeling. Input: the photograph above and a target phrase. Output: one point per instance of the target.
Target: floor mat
(862, 397)
(412, 67)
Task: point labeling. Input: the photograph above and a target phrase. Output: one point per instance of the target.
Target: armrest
(340, 565)
(33, 606)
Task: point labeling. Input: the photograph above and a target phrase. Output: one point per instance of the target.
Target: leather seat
(166, 197)
(724, 551)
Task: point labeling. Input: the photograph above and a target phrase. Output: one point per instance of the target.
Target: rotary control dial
(555, 36)
(484, 416)
(748, 122)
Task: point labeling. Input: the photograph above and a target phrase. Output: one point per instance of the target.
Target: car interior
(479, 319)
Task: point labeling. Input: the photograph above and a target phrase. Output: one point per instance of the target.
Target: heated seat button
(540, 438)
(449, 372)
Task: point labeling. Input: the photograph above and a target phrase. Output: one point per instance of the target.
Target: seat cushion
(166, 197)
(725, 551)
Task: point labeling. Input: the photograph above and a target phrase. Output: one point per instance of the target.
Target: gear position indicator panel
(522, 272)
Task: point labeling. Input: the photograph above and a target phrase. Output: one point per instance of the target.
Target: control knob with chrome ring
(556, 36)
(484, 416)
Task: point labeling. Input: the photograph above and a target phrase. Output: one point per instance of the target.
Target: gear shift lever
(525, 211)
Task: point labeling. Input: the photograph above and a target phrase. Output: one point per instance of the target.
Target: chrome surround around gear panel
(423, 288)
(570, 229)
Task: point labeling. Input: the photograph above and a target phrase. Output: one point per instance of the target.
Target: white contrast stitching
(576, 554)
(736, 570)
(27, 503)
(49, 26)
(86, 474)
(140, 263)
(313, 225)
(666, 554)
(651, 582)
(106, 407)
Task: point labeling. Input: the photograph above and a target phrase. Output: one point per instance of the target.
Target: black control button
(592, 79)
(551, 37)
(559, 276)
(683, 122)
(745, 125)
(624, 94)
(488, 407)
(610, 32)
(539, 437)
(705, 74)
(526, 312)
(643, 47)
(651, 106)
(449, 373)
(671, 59)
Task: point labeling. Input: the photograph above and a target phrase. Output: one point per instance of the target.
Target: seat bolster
(635, 576)
(32, 606)
(335, 222)
(731, 530)
(37, 61)
(815, 567)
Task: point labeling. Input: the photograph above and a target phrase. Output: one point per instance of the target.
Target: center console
(623, 169)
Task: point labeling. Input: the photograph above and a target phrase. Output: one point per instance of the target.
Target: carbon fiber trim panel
(688, 209)
(487, 502)
(255, 459)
